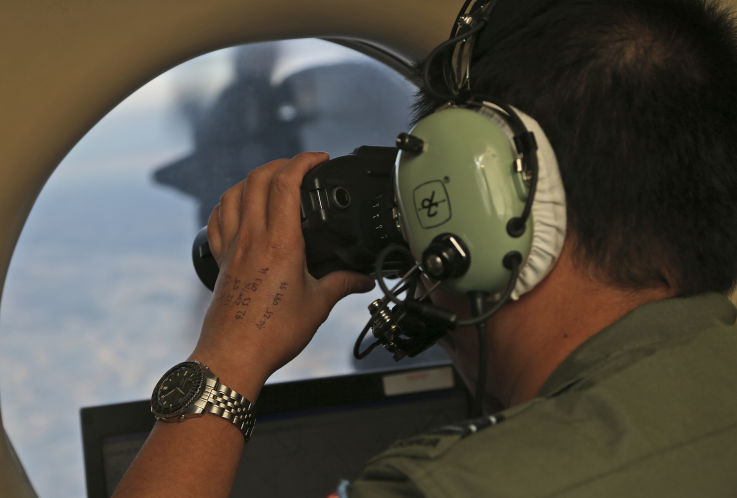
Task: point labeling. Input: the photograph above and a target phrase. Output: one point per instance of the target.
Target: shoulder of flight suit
(656, 420)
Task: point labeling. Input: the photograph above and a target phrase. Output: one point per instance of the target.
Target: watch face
(177, 389)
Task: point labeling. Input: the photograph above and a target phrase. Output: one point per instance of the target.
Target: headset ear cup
(465, 182)
(548, 208)
(548, 214)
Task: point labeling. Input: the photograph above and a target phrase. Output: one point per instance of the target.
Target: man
(618, 370)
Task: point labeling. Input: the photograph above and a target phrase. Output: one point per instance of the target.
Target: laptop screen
(308, 435)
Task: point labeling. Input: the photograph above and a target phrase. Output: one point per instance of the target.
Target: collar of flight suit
(650, 325)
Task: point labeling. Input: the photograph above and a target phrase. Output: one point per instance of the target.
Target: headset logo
(432, 204)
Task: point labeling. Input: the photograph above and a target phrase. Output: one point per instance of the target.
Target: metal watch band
(200, 391)
(230, 405)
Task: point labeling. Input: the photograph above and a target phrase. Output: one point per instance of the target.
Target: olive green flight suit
(645, 408)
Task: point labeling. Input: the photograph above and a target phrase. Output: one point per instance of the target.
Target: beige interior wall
(65, 64)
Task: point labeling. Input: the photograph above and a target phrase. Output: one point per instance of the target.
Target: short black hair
(639, 100)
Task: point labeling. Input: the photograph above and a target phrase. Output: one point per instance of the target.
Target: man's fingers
(284, 195)
(244, 201)
(229, 213)
(267, 200)
(213, 234)
(255, 195)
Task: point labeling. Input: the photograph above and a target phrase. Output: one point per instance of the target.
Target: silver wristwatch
(190, 389)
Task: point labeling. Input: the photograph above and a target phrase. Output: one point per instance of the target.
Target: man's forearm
(265, 309)
(198, 457)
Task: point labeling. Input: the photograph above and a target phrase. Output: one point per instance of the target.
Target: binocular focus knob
(446, 257)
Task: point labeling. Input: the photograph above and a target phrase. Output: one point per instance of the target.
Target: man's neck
(529, 338)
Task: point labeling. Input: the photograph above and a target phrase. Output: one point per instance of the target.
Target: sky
(101, 297)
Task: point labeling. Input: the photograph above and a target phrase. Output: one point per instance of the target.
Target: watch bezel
(159, 410)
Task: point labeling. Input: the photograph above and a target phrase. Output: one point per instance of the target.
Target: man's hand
(264, 311)
(266, 306)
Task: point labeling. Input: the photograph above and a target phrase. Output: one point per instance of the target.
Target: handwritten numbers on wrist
(270, 310)
(241, 294)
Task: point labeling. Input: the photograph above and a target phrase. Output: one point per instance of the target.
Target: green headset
(481, 201)
(481, 205)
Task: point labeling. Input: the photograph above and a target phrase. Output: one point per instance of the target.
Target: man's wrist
(242, 375)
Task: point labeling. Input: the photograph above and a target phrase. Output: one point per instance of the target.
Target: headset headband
(470, 21)
(473, 24)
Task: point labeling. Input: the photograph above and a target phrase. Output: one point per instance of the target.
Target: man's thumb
(339, 284)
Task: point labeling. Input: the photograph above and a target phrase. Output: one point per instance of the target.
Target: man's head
(639, 100)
